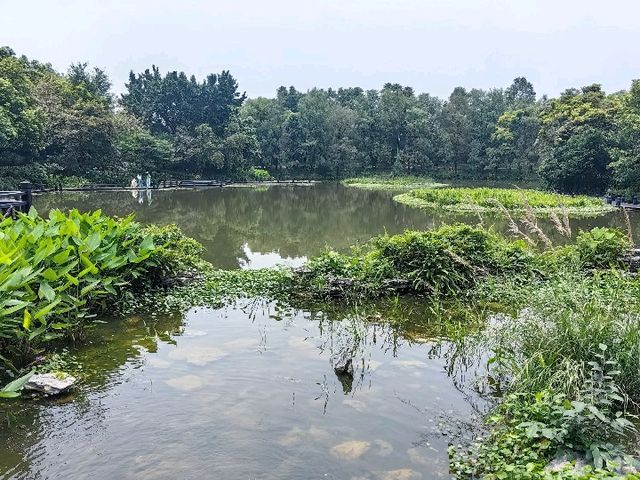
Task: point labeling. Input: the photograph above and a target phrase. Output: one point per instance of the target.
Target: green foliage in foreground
(57, 272)
(13, 388)
(382, 182)
(530, 430)
(493, 199)
(558, 327)
(576, 334)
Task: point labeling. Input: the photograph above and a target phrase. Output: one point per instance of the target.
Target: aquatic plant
(388, 182)
(442, 262)
(213, 289)
(13, 388)
(56, 272)
(490, 200)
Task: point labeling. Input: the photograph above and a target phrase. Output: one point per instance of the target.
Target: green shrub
(259, 175)
(442, 261)
(178, 254)
(527, 431)
(56, 271)
(558, 327)
(601, 247)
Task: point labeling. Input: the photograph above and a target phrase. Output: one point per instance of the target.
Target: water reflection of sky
(256, 260)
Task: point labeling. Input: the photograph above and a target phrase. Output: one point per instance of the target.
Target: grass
(495, 199)
(382, 182)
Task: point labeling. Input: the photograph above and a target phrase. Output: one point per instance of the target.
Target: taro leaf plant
(12, 389)
(56, 271)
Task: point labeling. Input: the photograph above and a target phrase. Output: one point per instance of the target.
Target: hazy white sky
(431, 45)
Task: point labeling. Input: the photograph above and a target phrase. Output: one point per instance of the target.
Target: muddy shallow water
(246, 391)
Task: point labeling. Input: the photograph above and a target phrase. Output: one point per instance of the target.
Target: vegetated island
(484, 199)
(388, 182)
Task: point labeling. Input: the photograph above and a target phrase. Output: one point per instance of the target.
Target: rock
(397, 285)
(343, 364)
(183, 278)
(567, 463)
(302, 271)
(50, 383)
(400, 474)
(350, 450)
(186, 383)
(337, 287)
(632, 258)
(197, 354)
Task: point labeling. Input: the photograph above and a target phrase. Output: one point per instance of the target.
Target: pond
(260, 227)
(248, 391)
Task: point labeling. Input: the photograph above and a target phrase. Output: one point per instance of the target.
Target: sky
(431, 45)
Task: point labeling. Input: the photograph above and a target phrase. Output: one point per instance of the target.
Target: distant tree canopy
(167, 103)
(57, 127)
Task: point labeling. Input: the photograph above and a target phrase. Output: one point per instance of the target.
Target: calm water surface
(246, 392)
(261, 227)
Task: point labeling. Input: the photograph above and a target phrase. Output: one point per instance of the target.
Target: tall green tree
(456, 120)
(22, 121)
(165, 103)
(576, 135)
(625, 165)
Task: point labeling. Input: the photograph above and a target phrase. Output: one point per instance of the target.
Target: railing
(621, 201)
(16, 200)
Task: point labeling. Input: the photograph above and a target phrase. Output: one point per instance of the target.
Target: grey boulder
(50, 383)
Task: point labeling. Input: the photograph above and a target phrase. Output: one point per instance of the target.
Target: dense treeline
(69, 127)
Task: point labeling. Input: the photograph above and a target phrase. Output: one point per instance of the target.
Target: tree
(166, 103)
(22, 121)
(625, 155)
(520, 92)
(292, 145)
(267, 116)
(79, 129)
(96, 82)
(576, 135)
(513, 141)
(138, 150)
(457, 127)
